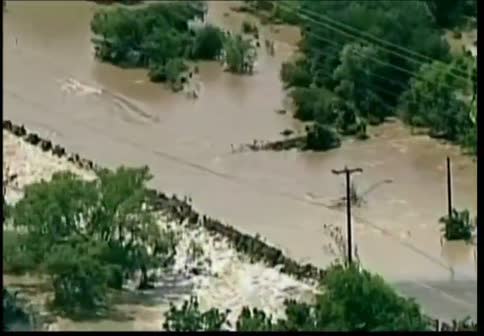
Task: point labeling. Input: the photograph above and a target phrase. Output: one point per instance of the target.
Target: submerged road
(53, 85)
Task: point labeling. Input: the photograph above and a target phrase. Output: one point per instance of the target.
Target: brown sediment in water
(179, 139)
(227, 282)
(231, 287)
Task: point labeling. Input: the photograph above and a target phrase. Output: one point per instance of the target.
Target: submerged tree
(320, 137)
(89, 235)
(240, 55)
(160, 37)
(349, 59)
(459, 226)
(437, 100)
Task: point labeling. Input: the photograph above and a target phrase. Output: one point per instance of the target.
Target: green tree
(155, 36)
(208, 43)
(296, 74)
(189, 318)
(254, 320)
(352, 300)
(448, 13)
(88, 235)
(459, 226)
(239, 54)
(356, 300)
(79, 277)
(368, 77)
(437, 100)
(320, 137)
(356, 79)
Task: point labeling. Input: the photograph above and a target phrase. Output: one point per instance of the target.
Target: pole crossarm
(343, 171)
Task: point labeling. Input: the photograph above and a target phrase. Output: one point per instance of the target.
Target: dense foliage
(459, 226)
(448, 13)
(439, 99)
(352, 300)
(87, 236)
(161, 37)
(240, 54)
(368, 53)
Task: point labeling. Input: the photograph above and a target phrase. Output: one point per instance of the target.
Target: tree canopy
(161, 37)
(88, 235)
(371, 54)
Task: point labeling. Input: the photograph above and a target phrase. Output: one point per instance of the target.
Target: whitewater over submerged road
(53, 84)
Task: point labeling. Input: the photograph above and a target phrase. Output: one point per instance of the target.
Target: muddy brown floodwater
(53, 84)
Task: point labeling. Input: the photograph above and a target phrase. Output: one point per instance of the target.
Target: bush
(174, 69)
(304, 99)
(254, 320)
(78, 276)
(16, 257)
(294, 75)
(239, 54)
(359, 301)
(157, 72)
(352, 300)
(320, 138)
(208, 43)
(189, 318)
(459, 226)
(286, 12)
(433, 100)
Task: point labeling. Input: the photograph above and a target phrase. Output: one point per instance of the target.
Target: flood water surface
(53, 84)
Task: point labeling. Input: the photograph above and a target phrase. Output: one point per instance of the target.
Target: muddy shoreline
(181, 211)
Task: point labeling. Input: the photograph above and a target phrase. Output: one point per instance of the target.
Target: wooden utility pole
(449, 188)
(348, 173)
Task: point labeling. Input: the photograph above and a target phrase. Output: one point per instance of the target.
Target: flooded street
(53, 84)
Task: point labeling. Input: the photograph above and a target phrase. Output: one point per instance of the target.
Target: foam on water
(225, 279)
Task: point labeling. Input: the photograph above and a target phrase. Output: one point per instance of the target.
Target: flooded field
(53, 84)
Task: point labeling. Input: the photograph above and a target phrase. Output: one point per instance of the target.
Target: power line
(355, 33)
(399, 68)
(403, 85)
(381, 89)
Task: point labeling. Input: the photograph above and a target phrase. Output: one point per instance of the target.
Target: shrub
(174, 69)
(239, 54)
(320, 137)
(78, 277)
(208, 43)
(189, 318)
(352, 300)
(459, 226)
(294, 75)
(17, 259)
(304, 99)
